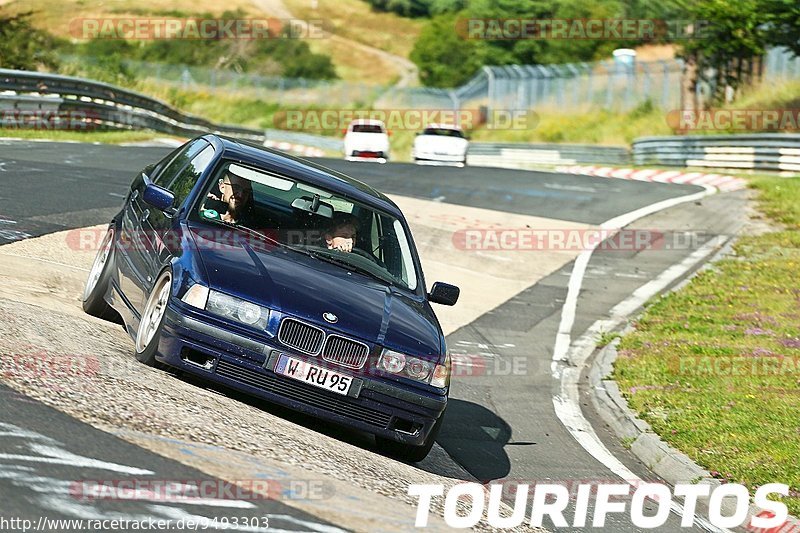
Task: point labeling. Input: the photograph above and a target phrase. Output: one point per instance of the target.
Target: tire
(151, 324)
(410, 453)
(94, 302)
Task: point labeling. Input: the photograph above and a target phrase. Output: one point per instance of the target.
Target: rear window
(444, 132)
(367, 128)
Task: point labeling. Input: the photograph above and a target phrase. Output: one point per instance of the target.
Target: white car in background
(441, 143)
(366, 140)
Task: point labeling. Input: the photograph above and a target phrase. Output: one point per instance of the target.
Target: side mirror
(444, 293)
(158, 197)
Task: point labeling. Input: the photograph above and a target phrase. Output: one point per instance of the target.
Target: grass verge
(714, 368)
(110, 137)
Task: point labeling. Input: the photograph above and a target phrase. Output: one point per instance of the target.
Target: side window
(178, 162)
(154, 171)
(183, 183)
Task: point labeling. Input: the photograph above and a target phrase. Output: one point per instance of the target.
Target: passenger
(341, 233)
(237, 198)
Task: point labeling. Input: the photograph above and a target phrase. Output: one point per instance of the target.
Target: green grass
(111, 137)
(598, 126)
(738, 317)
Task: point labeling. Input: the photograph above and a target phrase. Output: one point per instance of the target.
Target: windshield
(444, 132)
(310, 220)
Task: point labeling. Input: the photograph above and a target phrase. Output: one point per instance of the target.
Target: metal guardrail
(518, 155)
(79, 103)
(764, 151)
(106, 106)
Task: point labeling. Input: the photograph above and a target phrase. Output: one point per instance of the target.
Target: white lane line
(563, 338)
(116, 195)
(566, 404)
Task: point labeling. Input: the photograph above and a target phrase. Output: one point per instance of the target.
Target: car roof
(303, 170)
(443, 127)
(367, 122)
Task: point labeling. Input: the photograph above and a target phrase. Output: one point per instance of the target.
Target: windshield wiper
(349, 266)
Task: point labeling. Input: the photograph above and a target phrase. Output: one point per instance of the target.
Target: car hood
(306, 287)
(367, 141)
(440, 143)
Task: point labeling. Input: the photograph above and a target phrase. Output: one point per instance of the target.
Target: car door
(158, 224)
(130, 237)
(138, 244)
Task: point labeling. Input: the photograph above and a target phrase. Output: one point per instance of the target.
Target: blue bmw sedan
(284, 280)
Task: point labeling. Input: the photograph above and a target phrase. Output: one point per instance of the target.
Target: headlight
(221, 304)
(415, 368)
(237, 309)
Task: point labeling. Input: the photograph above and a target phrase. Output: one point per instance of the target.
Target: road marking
(567, 369)
(116, 195)
(563, 338)
(57, 456)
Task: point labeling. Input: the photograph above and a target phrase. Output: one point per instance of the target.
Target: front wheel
(94, 293)
(410, 453)
(152, 322)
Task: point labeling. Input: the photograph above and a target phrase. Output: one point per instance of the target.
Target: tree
(445, 58)
(783, 23)
(22, 46)
(724, 46)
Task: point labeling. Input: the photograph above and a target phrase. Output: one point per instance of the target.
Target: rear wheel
(410, 453)
(94, 293)
(152, 322)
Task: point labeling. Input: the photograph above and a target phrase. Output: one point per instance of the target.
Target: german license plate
(314, 375)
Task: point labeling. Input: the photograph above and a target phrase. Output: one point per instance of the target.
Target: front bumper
(238, 361)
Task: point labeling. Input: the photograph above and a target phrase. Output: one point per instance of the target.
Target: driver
(341, 233)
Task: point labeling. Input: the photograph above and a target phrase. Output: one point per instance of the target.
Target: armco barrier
(763, 151)
(514, 155)
(100, 105)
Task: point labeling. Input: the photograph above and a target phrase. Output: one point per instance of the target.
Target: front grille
(345, 352)
(306, 394)
(300, 336)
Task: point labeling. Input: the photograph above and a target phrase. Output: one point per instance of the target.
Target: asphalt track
(49, 461)
(500, 424)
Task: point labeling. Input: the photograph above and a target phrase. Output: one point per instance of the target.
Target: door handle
(145, 215)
